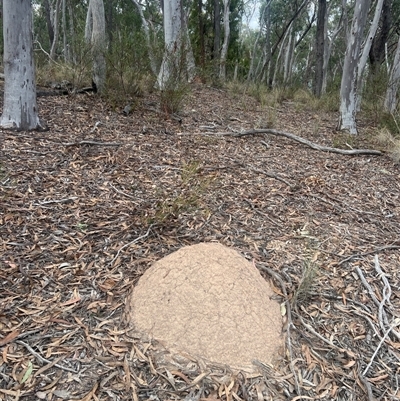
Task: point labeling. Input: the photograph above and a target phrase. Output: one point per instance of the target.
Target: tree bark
(49, 24)
(95, 32)
(224, 51)
(20, 109)
(394, 81)
(146, 28)
(367, 47)
(348, 87)
(320, 47)
(172, 61)
(217, 34)
(378, 48)
(56, 29)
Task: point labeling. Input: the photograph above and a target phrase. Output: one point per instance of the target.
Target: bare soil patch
(88, 206)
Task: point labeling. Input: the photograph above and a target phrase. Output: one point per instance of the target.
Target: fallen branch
(308, 143)
(95, 143)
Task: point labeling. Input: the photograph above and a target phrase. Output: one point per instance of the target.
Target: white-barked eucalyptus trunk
(20, 109)
(95, 34)
(224, 51)
(348, 87)
(394, 81)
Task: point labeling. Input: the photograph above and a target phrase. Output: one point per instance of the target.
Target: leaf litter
(88, 206)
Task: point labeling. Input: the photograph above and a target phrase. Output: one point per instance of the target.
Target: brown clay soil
(88, 206)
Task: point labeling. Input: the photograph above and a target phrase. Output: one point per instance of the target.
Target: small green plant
(186, 198)
(173, 96)
(307, 282)
(82, 226)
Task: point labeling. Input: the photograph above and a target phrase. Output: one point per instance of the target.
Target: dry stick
(41, 359)
(395, 323)
(123, 193)
(309, 143)
(271, 175)
(377, 250)
(290, 322)
(131, 243)
(373, 297)
(91, 143)
(387, 292)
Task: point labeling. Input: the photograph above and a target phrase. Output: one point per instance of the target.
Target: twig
(376, 250)
(271, 175)
(123, 193)
(66, 200)
(386, 293)
(131, 243)
(41, 359)
(395, 323)
(88, 142)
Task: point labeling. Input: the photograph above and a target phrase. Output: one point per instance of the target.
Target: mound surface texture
(209, 302)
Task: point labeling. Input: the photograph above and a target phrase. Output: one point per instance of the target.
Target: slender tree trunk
(224, 51)
(328, 48)
(217, 35)
(394, 81)
(251, 73)
(20, 109)
(320, 47)
(367, 47)
(289, 57)
(146, 28)
(170, 70)
(378, 49)
(49, 23)
(201, 34)
(96, 31)
(56, 29)
(65, 36)
(348, 88)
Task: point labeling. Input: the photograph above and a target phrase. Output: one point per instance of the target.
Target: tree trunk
(55, 29)
(289, 57)
(217, 34)
(378, 48)
(170, 67)
(320, 47)
(49, 24)
(348, 87)
(20, 109)
(252, 69)
(146, 28)
(367, 47)
(95, 31)
(224, 51)
(201, 34)
(394, 81)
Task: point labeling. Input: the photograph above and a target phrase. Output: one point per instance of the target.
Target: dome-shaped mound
(207, 301)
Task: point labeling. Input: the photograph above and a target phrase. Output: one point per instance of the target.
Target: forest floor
(88, 206)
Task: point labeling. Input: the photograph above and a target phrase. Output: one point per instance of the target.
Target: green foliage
(303, 291)
(186, 198)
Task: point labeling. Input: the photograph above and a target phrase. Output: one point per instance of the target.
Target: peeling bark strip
(20, 110)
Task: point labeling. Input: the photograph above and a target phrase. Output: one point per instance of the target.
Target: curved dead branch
(309, 143)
